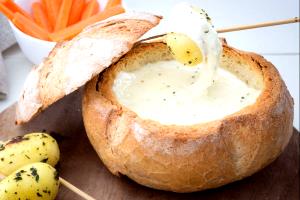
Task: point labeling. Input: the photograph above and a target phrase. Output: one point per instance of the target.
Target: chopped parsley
(35, 174)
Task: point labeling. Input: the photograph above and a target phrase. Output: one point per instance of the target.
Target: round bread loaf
(194, 157)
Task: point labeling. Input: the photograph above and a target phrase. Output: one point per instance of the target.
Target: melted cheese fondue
(162, 92)
(172, 93)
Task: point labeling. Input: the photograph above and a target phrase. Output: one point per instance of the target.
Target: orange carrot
(6, 11)
(58, 2)
(112, 3)
(39, 15)
(29, 26)
(52, 9)
(44, 4)
(73, 30)
(76, 10)
(91, 8)
(63, 16)
(16, 8)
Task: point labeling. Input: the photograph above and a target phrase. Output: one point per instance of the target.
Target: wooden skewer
(69, 186)
(75, 189)
(158, 38)
(259, 25)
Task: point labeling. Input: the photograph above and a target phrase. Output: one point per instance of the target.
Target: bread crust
(73, 63)
(196, 157)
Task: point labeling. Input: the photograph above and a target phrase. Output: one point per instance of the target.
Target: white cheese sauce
(160, 91)
(171, 93)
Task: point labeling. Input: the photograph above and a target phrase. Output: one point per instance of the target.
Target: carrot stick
(63, 16)
(52, 9)
(29, 26)
(58, 2)
(39, 16)
(76, 10)
(43, 2)
(44, 5)
(112, 3)
(5, 11)
(73, 30)
(91, 8)
(16, 8)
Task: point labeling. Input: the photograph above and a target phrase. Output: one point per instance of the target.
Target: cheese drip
(195, 24)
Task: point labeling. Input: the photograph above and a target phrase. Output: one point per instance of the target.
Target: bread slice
(71, 64)
(195, 157)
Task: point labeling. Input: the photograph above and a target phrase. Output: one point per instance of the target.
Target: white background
(279, 44)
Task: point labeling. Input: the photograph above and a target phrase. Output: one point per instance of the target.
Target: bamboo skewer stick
(158, 38)
(69, 186)
(75, 189)
(259, 25)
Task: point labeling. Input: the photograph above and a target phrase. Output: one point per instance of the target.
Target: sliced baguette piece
(73, 63)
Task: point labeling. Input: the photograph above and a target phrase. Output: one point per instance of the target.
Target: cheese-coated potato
(32, 182)
(30, 148)
(184, 49)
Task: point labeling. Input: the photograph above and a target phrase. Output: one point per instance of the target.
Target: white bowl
(34, 49)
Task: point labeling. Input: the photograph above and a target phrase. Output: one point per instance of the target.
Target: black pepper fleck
(18, 178)
(44, 160)
(39, 195)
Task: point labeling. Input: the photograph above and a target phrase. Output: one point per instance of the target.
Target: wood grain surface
(80, 165)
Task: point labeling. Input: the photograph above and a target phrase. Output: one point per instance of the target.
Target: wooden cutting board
(80, 165)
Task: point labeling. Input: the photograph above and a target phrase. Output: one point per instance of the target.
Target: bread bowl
(187, 158)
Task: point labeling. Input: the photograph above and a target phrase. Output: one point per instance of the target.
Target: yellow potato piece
(30, 148)
(184, 49)
(34, 181)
